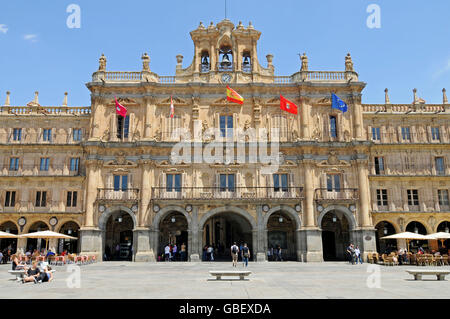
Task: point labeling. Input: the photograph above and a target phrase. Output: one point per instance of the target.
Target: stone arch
(109, 211)
(287, 209)
(228, 209)
(166, 211)
(347, 213)
(396, 227)
(65, 221)
(11, 221)
(442, 220)
(27, 227)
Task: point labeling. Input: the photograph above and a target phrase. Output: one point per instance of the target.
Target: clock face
(226, 78)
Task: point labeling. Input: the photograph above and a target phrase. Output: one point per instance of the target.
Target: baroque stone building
(108, 180)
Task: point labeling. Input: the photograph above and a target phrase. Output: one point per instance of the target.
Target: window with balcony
(439, 163)
(280, 182)
(10, 198)
(14, 164)
(17, 134)
(333, 127)
(333, 183)
(74, 164)
(382, 197)
(123, 126)
(77, 134)
(71, 199)
(376, 135)
(41, 199)
(120, 182)
(226, 125)
(227, 182)
(173, 182)
(47, 135)
(413, 197)
(379, 165)
(45, 161)
(435, 136)
(406, 134)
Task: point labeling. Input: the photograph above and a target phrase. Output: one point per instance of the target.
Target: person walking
(175, 252)
(245, 255)
(167, 253)
(351, 254)
(234, 253)
(210, 251)
(279, 253)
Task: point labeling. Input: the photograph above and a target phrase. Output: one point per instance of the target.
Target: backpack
(234, 249)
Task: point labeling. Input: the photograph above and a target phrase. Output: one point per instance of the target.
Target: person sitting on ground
(32, 274)
(15, 263)
(46, 275)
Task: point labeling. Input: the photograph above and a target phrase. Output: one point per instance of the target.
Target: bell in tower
(225, 64)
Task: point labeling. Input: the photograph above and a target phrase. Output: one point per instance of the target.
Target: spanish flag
(233, 96)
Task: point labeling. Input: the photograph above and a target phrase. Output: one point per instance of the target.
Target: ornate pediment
(224, 102)
(333, 161)
(323, 101)
(272, 102)
(176, 102)
(120, 161)
(124, 101)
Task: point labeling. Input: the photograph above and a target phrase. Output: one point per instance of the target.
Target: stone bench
(18, 273)
(440, 274)
(220, 274)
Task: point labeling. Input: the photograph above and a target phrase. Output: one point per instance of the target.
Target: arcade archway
(418, 228)
(385, 245)
(335, 235)
(221, 230)
(444, 246)
(281, 232)
(37, 243)
(71, 245)
(9, 243)
(173, 230)
(118, 236)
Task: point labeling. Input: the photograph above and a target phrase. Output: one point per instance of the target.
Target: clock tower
(225, 54)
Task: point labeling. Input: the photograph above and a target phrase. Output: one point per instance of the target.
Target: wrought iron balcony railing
(342, 194)
(112, 194)
(222, 67)
(236, 193)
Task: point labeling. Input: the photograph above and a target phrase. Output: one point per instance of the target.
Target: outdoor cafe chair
(445, 260)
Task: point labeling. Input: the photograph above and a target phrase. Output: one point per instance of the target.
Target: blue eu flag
(337, 103)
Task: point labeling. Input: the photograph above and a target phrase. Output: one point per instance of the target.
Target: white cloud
(3, 28)
(30, 37)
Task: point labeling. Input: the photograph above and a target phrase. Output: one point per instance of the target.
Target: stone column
(144, 253)
(145, 192)
(194, 246)
(363, 183)
(358, 119)
(260, 246)
(148, 118)
(305, 118)
(309, 220)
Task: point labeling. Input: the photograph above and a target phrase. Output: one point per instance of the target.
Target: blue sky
(39, 52)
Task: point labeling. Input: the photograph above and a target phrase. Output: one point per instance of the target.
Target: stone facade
(334, 170)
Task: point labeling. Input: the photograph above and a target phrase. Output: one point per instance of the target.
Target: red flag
(287, 105)
(234, 96)
(172, 109)
(120, 109)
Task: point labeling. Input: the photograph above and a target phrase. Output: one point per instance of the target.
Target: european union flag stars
(337, 103)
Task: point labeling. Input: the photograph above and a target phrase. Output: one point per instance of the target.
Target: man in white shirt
(234, 254)
(167, 252)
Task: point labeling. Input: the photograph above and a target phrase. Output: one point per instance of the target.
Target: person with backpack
(234, 253)
(245, 255)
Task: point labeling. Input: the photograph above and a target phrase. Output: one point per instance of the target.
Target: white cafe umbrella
(46, 234)
(441, 236)
(7, 235)
(407, 236)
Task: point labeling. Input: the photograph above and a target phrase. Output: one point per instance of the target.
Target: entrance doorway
(173, 230)
(221, 231)
(9, 243)
(335, 236)
(281, 234)
(119, 237)
(418, 228)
